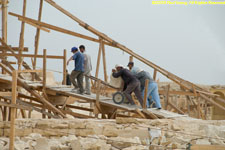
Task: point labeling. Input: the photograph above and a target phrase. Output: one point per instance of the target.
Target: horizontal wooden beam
(14, 105)
(14, 48)
(5, 93)
(31, 55)
(20, 71)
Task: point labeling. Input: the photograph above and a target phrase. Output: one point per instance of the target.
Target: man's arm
(71, 58)
(117, 74)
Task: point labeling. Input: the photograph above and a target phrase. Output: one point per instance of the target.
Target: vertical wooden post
(64, 67)
(4, 20)
(145, 94)
(44, 68)
(13, 110)
(104, 63)
(167, 96)
(44, 77)
(4, 26)
(131, 59)
(97, 105)
(99, 58)
(37, 37)
(154, 74)
(21, 42)
(198, 101)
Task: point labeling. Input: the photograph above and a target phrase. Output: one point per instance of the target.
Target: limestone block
(120, 120)
(83, 132)
(35, 136)
(77, 125)
(67, 139)
(121, 142)
(176, 127)
(42, 144)
(203, 142)
(51, 132)
(20, 145)
(18, 132)
(139, 147)
(110, 131)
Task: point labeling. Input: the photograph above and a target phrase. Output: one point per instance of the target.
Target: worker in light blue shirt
(78, 71)
(142, 75)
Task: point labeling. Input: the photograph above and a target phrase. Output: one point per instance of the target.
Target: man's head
(130, 65)
(82, 48)
(74, 49)
(119, 67)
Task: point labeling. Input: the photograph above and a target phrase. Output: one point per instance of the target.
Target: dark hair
(81, 47)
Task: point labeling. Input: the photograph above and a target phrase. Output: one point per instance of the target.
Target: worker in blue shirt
(78, 71)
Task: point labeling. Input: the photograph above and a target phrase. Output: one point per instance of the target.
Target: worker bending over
(131, 84)
(142, 75)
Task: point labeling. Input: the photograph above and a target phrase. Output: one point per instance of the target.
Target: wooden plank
(104, 63)
(173, 92)
(80, 108)
(37, 36)
(14, 106)
(64, 67)
(35, 25)
(207, 147)
(145, 94)
(3, 48)
(55, 28)
(31, 55)
(26, 71)
(149, 114)
(31, 105)
(5, 93)
(21, 41)
(76, 115)
(140, 113)
(13, 110)
(174, 107)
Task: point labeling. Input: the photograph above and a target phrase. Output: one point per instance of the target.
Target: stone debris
(119, 134)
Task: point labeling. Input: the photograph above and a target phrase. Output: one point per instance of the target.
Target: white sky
(185, 40)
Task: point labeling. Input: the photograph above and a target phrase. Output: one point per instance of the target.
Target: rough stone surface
(119, 134)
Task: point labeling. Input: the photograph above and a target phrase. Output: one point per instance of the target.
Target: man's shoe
(159, 108)
(87, 93)
(78, 92)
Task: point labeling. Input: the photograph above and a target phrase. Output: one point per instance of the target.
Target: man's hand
(113, 70)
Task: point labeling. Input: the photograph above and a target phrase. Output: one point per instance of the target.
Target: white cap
(118, 65)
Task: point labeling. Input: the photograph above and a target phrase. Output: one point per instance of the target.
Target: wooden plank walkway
(63, 90)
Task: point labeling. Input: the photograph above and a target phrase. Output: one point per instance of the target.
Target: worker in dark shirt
(132, 84)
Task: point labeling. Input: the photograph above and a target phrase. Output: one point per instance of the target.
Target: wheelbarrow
(118, 97)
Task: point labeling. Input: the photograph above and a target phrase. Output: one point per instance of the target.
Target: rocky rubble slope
(122, 133)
